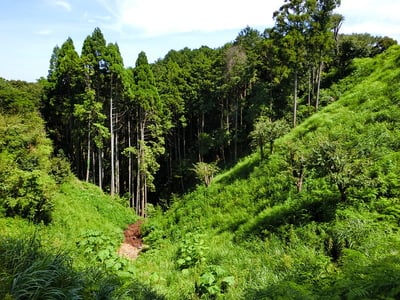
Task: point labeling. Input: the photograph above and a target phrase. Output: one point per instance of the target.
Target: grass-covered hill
(316, 219)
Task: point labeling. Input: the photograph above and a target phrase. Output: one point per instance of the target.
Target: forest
(263, 169)
(141, 132)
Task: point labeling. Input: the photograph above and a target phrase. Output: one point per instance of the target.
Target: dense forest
(266, 168)
(147, 132)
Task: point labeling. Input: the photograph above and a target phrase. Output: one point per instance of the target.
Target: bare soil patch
(132, 244)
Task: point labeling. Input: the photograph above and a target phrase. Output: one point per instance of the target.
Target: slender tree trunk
(141, 171)
(88, 155)
(295, 101)
(138, 166)
(130, 182)
(112, 187)
(310, 82)
(138, 186)
(299, 183)
(143, 196)
(100, 154)
(93, 166)
(320, 68)
(117, 179)
(236, 130)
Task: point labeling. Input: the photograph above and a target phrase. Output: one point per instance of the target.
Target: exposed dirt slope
(132, 244)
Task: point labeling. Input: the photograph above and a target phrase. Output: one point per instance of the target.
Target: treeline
(145, 129)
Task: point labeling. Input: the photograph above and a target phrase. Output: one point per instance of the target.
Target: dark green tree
(151, 123)
(93, 52)
(63, 90)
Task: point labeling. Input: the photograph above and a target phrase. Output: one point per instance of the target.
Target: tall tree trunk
(310, 84)
(130, 181)
(100, 154)
(88, 154)
(93, 167)
(139, 166)
(117, 179)
(138, 188)
(142, 174)
(320, 68)
(112, 187)
(295, 101)
(143, 196)
(236, 130)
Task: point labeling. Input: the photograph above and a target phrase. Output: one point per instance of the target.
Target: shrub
(29, 195)
(60, 169)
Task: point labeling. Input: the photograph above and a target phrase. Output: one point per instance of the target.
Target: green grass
(281, 244)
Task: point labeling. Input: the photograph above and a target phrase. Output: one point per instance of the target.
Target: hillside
(316, 219)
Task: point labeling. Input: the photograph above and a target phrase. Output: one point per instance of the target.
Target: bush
(26, 189)
(29, 195)
(60, 169)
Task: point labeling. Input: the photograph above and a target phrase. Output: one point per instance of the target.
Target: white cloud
(158, 17)
(64, 4)
(377, 17)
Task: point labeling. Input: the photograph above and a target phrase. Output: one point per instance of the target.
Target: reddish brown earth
(132, 244)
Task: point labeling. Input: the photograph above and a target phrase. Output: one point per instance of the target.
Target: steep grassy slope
(318, 219)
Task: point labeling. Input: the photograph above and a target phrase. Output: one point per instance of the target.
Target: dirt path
(132, 244)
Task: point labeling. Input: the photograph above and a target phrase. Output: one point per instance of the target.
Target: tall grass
(29, 273)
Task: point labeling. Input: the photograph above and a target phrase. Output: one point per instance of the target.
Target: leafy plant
(101, 250)
(214, 282)
(191, 251)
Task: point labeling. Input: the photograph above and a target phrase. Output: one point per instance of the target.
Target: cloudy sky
(29, 29)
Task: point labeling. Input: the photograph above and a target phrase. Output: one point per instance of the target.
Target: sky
(30, 29)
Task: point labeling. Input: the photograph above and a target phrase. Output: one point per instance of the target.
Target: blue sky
(29, 29)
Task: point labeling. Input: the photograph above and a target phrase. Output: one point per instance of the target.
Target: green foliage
(213, 283)
(191, 251)
(101, 250)
(266, 132)
(205, 171)
(26, 185)
(317, 219)
(30, 196)
(18, 97)
(60, 169)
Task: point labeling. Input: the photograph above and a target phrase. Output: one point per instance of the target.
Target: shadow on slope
(241, 170)
(297, 213)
